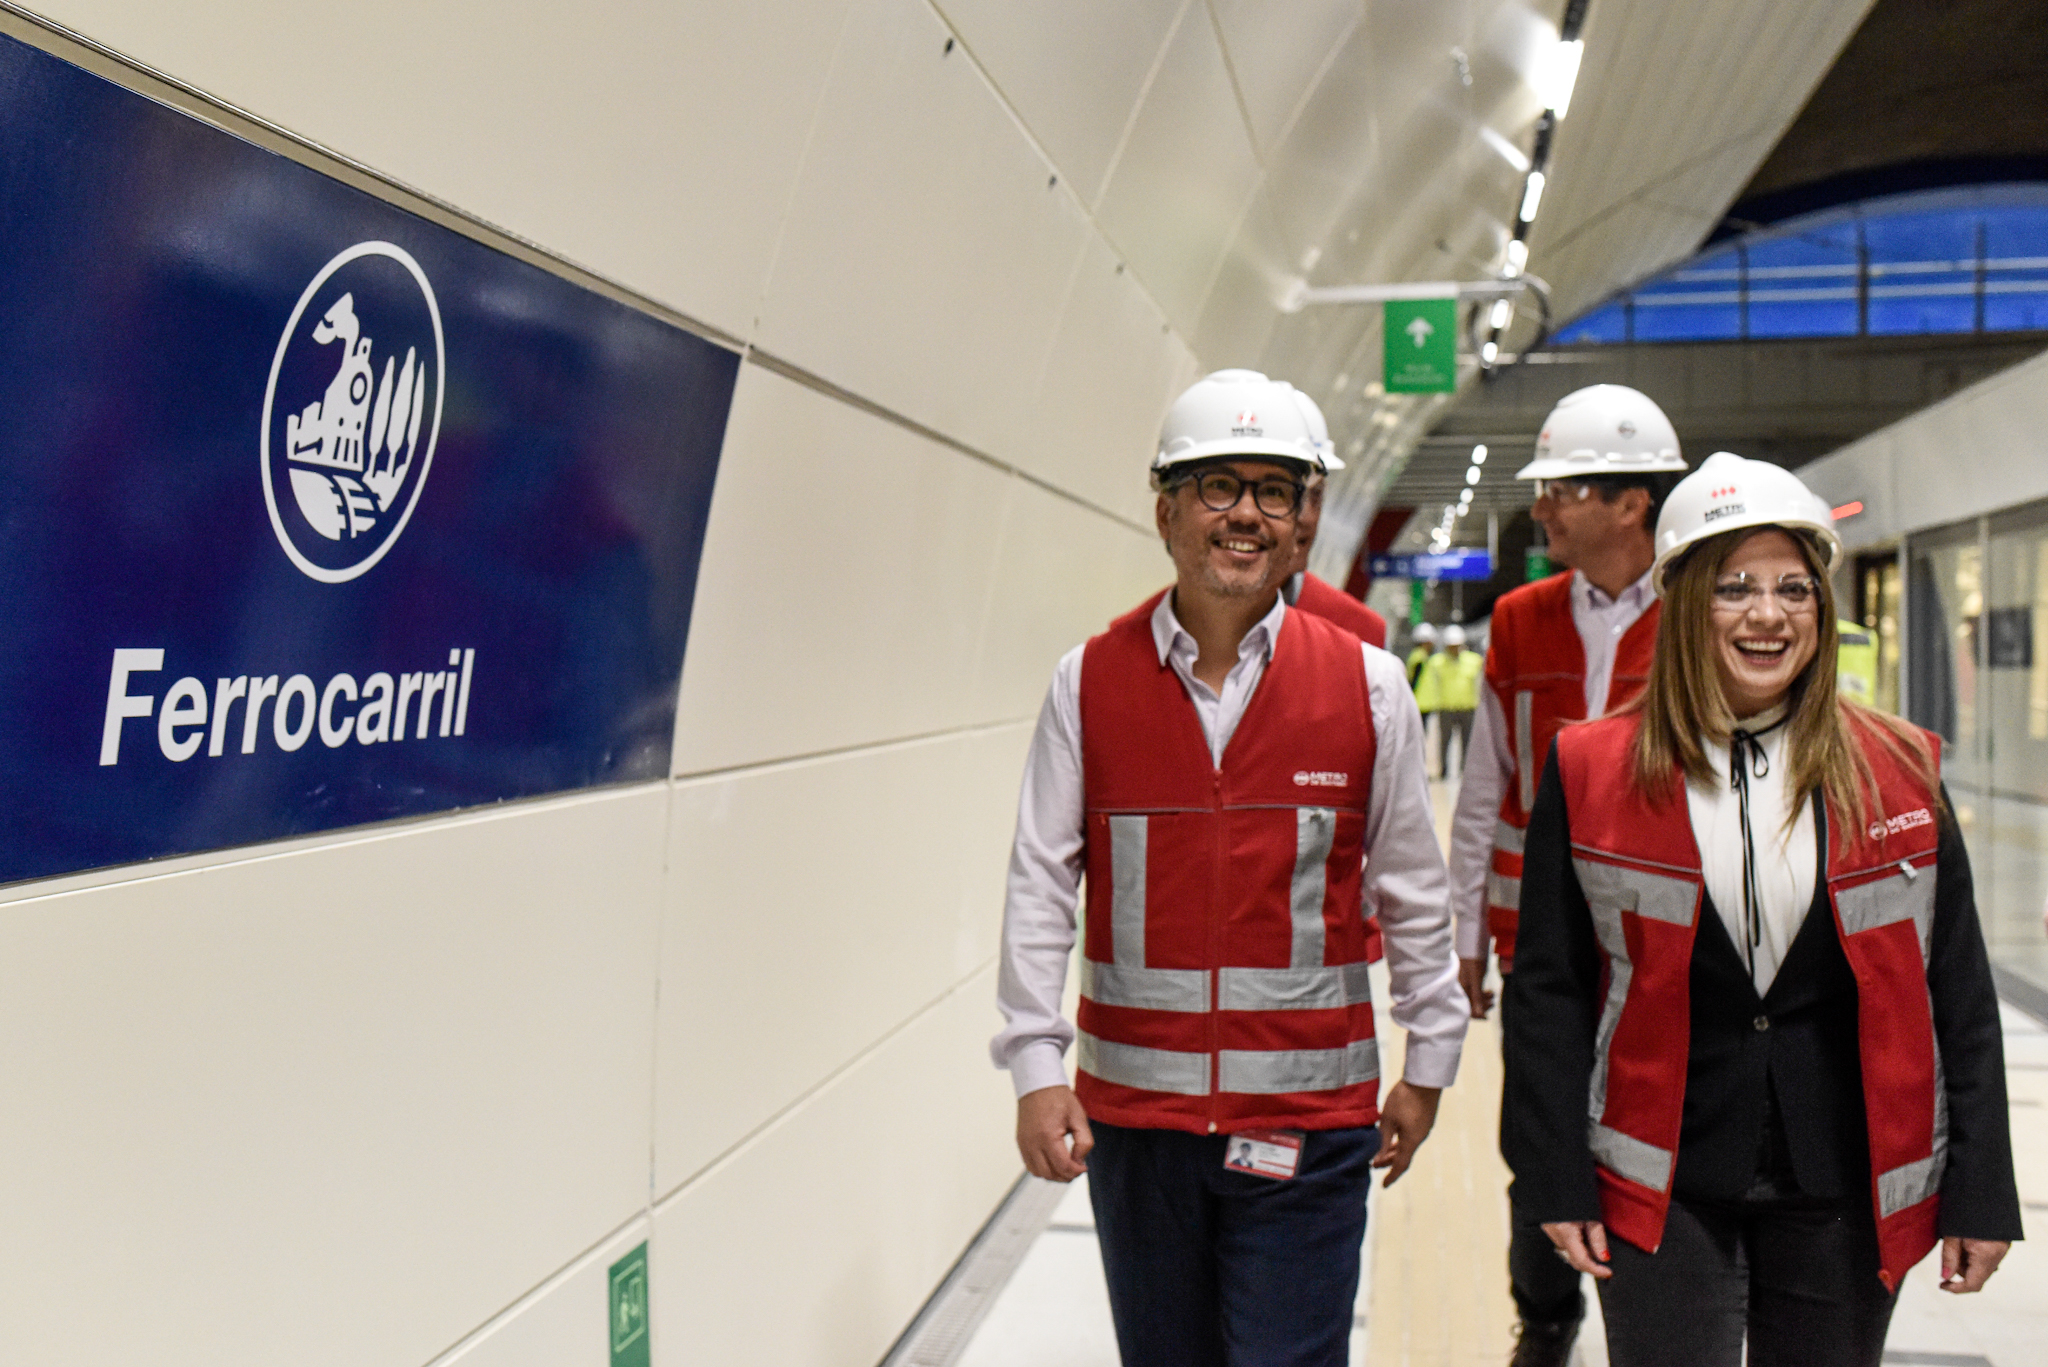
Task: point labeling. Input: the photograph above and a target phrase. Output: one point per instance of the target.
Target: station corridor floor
(1434, 1293)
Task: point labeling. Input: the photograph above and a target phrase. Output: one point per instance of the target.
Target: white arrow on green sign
(1421, 343)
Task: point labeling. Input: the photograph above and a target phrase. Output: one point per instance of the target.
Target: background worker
(1796, 1086)
(1424, 646)
(1215, 752)
(1453, 685)
(1304, 590)
(1562, 649)
(1856, 662)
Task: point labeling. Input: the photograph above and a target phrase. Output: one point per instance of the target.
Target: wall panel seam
(780, 762)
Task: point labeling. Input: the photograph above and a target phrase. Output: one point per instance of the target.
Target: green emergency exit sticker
(628, 1304)
(1421, 344)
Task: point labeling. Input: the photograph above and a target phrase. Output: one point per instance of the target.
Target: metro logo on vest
(1223, 972)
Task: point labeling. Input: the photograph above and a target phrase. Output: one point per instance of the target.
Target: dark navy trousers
(1212, 1268)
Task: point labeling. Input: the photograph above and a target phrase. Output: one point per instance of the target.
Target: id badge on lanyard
(1264, 1153)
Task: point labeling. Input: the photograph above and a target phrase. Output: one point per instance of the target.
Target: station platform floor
(1434, 1290)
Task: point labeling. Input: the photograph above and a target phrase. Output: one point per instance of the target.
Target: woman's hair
(1683, 710)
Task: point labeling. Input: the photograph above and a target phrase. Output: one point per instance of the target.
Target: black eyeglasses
(1796, 593)
(1272, 495)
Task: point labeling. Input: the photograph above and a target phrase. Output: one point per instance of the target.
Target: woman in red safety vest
(1754, 1068)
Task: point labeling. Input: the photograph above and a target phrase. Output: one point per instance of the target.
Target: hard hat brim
(1289, 453)
(1590, 464)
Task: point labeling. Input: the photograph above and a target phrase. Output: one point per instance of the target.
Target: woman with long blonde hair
(1754, 1063)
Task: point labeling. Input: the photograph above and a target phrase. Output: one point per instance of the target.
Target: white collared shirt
(1404, 870)
(1490, 765)
(1787, 859)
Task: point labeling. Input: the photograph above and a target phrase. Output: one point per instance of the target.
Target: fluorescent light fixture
(1489, 353)
(1556, 73)
(1509, 153)
(1479, 455)
(1532, 196)
(1472, 474)
(1518, 257)
(1503, 313)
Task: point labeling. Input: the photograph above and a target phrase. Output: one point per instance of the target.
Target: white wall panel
(926, 252)
(1115, 367)
(814, 1245)
(844, 583)
(812, 908)
(1061, 579)
(1277, 64)
(1185, 176)
(353, 1100)
(656, 144)
(562, 1324)
(1074, 70)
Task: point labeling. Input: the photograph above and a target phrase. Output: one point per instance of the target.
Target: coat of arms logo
(352, 411)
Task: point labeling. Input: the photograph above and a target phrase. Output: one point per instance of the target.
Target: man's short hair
(1657, 484)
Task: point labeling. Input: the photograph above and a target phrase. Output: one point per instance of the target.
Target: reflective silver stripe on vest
(1148, 1070)
(1611, 890)
(1626, 1156)
(1127, 836)
(1886, 901)
(1509, 839)
(1292, 989)
(1503, 891)
(1909, 1184)
(1151, 989)
(1314, 830)
(1267, 1072)
(1525, 748)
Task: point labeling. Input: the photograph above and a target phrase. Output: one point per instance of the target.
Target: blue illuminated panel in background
(315, 513)
(1939, 262)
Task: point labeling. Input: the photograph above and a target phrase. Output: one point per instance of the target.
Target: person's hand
(1406, 1117)
(1966, 1264)
(1472, 977)
(1583, 1244)
(1045, 1120)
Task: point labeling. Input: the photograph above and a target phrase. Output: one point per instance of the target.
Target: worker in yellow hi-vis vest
(1856, 663)
(1450, 679)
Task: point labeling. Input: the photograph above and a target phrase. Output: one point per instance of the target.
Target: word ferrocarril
(377, 711)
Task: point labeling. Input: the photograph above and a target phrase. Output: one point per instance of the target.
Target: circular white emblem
(352, 411)
(1877, 830)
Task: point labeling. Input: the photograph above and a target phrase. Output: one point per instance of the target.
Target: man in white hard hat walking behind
(1562, 649)
(1219, 767)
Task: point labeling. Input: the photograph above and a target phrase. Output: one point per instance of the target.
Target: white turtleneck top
(1787, 858)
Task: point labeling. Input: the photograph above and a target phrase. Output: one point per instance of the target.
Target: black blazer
(1796, 1044)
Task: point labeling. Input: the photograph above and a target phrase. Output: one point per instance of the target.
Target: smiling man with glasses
(1212, 773)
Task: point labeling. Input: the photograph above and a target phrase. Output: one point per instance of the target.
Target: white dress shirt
(1787, 857)
(1404, 870)
(1490, 766)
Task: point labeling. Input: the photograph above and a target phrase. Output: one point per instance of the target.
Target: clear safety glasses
(1796, 593)
(1563, 490)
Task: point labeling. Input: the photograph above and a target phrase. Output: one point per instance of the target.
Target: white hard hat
(1604, 429)
(1238, 413)
(1454, 635)
(1318, 429)
(1425, 632)
(1728, 493)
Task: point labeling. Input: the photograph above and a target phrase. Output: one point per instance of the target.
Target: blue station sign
(1456, 564)
(315, 512)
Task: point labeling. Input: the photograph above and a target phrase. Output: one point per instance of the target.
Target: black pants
(1450, 724)
(1545, 1286)
(1213, 1268)
(1796, 1274)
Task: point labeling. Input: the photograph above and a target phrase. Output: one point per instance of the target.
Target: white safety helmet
(1318, 429)
(1424, 632)
(1454, 635)
(1728, 493)
(1240, 413)
(1604, 429)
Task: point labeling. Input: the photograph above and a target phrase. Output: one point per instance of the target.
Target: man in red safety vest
(1559, 650)
(1212, 773)
(1303, 589)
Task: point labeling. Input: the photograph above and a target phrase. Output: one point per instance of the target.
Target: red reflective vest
(1639, 867)
(1223, 970)
(1536, 667)
(1333, 604)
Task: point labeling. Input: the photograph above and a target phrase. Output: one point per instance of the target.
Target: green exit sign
(1421, 343)
(628, 1310)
